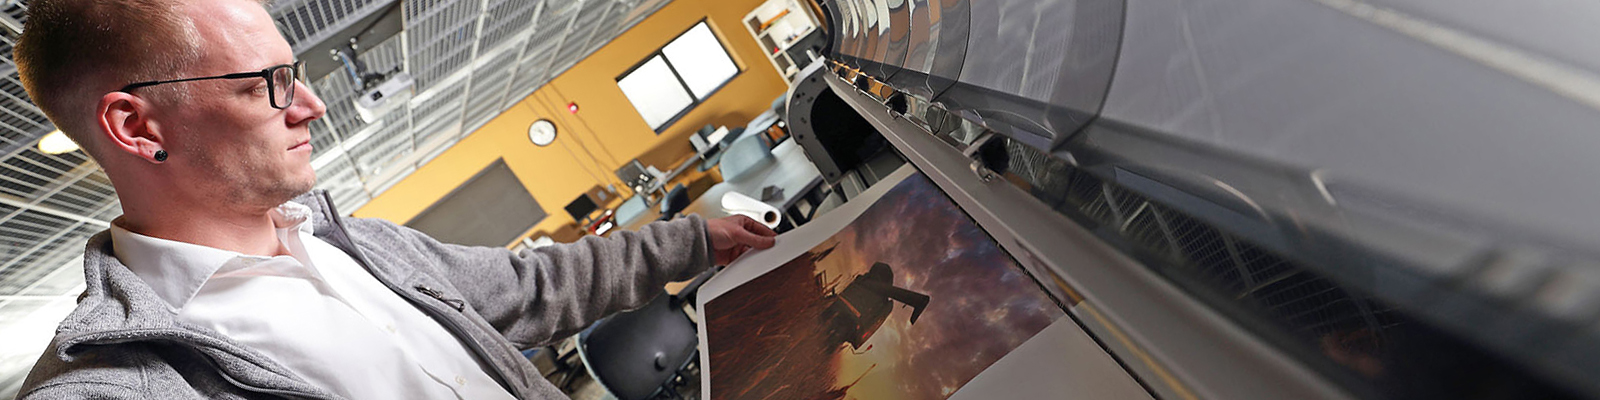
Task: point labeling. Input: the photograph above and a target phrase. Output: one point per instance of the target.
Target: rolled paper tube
(766, 214)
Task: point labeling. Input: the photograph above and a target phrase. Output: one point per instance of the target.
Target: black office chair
(647, 353)
(677, 200)
(733, 134)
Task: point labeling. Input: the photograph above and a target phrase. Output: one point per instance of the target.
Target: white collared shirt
(316, 311)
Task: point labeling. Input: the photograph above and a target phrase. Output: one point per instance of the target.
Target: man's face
(227, 139)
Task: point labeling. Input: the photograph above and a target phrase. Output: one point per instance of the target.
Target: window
(671, 81)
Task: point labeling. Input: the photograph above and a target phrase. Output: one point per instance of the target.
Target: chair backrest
(634, 354)
(734, 133)
(677, 199)
(631, 208)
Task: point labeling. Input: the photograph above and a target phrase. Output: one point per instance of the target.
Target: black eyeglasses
(280, 82)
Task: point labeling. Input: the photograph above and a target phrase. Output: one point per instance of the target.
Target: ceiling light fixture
(57, 142)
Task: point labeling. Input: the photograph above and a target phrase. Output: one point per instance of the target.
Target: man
(214, 284)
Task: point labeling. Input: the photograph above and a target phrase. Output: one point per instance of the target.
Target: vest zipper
(437, 295)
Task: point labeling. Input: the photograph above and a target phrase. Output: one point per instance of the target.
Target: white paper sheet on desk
(786, 323)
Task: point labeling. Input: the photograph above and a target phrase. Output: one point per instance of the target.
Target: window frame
(694, 101)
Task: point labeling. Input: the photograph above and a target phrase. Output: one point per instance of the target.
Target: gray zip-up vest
(122, 341)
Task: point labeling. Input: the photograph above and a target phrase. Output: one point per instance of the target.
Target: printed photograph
(909, 301)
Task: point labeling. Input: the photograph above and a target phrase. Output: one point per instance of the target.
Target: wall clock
(542, 132)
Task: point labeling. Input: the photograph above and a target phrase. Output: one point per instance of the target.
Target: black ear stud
(161, 155)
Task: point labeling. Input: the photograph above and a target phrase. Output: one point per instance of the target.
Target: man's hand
(732, 236)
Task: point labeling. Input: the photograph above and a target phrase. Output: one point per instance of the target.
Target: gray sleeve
(555, 291)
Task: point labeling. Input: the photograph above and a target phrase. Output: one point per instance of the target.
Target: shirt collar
(177, 270)
(292, 215)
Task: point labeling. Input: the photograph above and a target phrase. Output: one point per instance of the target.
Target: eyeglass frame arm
(265, 74)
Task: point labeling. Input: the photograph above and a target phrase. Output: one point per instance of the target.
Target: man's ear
(124, 121)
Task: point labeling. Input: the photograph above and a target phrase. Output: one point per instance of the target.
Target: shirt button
(461, 380)
(390, 327)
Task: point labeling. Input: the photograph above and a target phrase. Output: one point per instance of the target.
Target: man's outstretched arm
(551, 292)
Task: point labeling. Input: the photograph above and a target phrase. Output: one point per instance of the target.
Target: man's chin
(290, 189)
(303, 186)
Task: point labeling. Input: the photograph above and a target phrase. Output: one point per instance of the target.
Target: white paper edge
(789, 245)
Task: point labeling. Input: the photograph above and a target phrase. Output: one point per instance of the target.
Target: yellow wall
(607, 131)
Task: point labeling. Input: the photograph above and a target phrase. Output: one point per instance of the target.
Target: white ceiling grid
(471, 60)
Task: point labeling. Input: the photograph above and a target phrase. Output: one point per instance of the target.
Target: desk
(789, 169)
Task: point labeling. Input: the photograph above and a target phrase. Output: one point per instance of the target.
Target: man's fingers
(751, 237)
(740, 231)
(756, 227)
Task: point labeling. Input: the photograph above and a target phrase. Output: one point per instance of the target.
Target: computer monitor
(581, 207)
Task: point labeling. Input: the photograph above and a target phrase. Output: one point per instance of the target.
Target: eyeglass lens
(283, 86)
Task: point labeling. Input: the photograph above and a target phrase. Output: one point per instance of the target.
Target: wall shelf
(778, 25)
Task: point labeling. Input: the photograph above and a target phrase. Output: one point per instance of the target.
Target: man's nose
(307, 106)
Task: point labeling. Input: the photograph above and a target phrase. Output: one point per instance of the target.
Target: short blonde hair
(73, 51)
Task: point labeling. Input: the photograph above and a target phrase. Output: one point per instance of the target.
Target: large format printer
(1258, 199)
